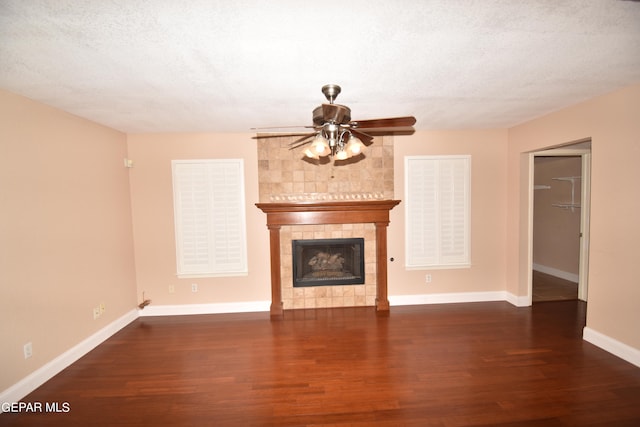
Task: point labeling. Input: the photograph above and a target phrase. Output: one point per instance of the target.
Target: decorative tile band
(309, 197)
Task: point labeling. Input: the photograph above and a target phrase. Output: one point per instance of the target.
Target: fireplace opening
(326, 262)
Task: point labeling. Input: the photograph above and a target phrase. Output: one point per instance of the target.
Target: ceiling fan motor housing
(331, 113)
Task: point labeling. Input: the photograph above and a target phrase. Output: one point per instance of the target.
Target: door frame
(585, 215)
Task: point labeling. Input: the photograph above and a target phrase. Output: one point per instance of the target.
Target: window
(437, 211)
(208, 198)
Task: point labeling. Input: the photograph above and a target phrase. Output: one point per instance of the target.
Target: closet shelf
(567, 178)
(572, 205)
(566, 205)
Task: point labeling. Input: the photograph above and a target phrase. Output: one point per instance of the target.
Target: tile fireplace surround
(288, 181)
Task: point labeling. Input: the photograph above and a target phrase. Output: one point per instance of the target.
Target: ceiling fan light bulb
(342, 155)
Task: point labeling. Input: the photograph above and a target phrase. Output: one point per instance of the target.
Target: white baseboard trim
(572, 277)
(615, 347)
(518, 301)
(219, 308)
(447, 298)
(55, 366)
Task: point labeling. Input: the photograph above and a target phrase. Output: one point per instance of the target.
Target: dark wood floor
(479, 364)
(550, 288)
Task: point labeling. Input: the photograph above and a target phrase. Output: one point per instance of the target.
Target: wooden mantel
(334, 212)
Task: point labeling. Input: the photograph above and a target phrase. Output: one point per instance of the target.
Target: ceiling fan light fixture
(320, 145)
(342, 155)
(311, 153)
(354, 145)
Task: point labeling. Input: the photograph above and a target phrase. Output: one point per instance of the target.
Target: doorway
(559, 208)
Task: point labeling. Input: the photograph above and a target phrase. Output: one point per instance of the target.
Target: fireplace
(334, 212)
(327, 262)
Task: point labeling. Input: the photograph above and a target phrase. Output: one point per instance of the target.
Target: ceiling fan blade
(301, 141)
(366, 139)
(407, 130)
(279, 135)
(282, 127)
(302, 138)
(392, 122)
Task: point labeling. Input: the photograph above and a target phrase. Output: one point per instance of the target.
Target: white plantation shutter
(437, 211)
(209, 217)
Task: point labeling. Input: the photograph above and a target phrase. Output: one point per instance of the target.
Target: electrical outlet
(172, 289)
(427, 278)
(96, 312)
(194, 287)
(28, 350)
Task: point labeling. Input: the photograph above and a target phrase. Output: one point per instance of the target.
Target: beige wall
(154, 231)
(65, 233)
(488, 213)
(153, 223)
(556, 231)
(611, 121)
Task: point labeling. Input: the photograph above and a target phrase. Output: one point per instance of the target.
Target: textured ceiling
(227, 66)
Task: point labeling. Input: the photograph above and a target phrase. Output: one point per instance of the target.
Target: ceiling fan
(335, 134)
